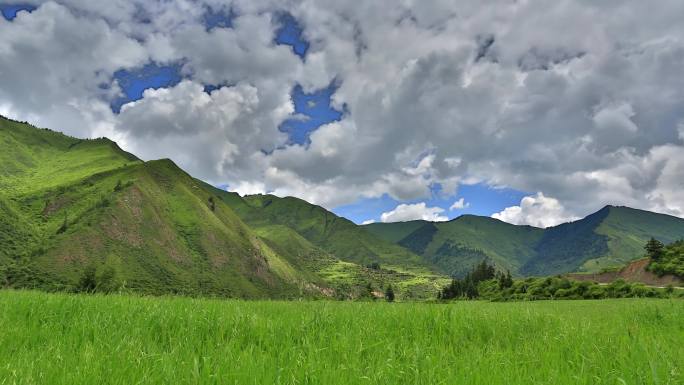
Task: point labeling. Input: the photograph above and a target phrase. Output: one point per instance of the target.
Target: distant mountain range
(609, 237)
(68, 205)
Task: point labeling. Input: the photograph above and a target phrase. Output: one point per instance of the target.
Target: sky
(532, 112)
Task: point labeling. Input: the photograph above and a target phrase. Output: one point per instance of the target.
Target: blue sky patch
(134, 82)
(9, 11)
(290, 33)
(312, 110)
(218, 18)
(209, 88)
(482, 199)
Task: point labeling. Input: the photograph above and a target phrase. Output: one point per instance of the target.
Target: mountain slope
(456, 245)
(67, 205)
(635, 271)
(629, 229)
(334, 234)
(610, 237)
(360, 254)
(395, 231)
(567, 246)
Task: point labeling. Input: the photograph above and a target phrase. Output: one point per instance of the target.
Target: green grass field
(73, 339)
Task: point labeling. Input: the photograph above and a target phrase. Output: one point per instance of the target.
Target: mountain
(71, 206)
(324, 229)
(455, 246)
(281, 221)
(610, 237)
(613, 236)
(74, 203)
(68, 205)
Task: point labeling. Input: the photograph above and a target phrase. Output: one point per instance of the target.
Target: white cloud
(409, 212)
(459, 205)
(249, 188)
(590, 119)
(537, 210)
(211, 135)
(368, 221)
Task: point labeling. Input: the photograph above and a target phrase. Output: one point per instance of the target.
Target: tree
(505, 280)
(389, 294)
(654, 249)
(373, 266)
(467, 288)
(482, 272)
(88, 281)
(454, 290)
(470, 289)
(108, 281)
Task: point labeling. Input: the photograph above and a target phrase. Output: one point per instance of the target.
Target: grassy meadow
(79, 339)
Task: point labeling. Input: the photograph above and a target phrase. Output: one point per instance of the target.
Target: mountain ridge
(67, 204)
(608, 237)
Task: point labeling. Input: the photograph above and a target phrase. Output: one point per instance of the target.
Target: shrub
(666, 260)
(103, 202)
(88, 281)
(389, 294)
(108, 282)
(373, 266)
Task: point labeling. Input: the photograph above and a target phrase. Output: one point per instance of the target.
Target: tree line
(468, 287)
(665, 259)
(485, 282)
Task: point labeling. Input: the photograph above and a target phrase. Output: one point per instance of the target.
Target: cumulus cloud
(536, 210)
(211, 135)
(368, 222)
(459, 205)
(248, 188)
(410, 212)
(493, 93)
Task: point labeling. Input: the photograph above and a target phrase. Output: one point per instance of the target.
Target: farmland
(119, 339)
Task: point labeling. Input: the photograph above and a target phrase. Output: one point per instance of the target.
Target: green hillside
(564, 248)
(334, 234)
(629, 229)
(610, 237)
(280, 222)
(69, 205)
(72, 204)
(455, 246)
(396, 231)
